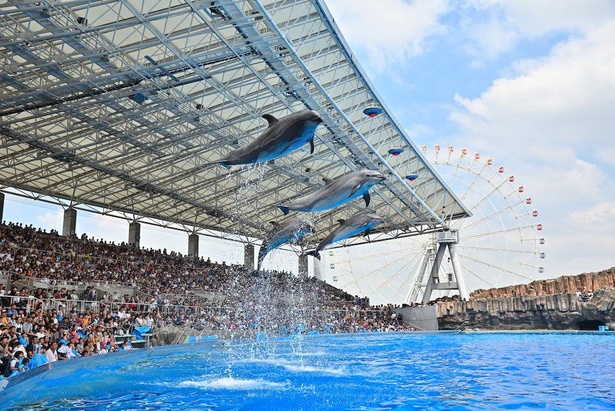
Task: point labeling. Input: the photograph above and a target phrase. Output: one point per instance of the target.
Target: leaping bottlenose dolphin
(359, 223)
(342, 190)
(287, 232)
(282, 137)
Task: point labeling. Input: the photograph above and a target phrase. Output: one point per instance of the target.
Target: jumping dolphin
(282, 137)
(344, 189)
(287, 232)
(359, 223)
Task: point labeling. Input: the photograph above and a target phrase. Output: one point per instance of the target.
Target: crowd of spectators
(64, 298)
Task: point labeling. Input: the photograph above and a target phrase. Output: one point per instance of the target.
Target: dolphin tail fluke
(314, 254)
(221, 163)
(284, 209)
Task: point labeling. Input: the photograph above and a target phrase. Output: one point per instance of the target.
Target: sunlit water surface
(375, 371)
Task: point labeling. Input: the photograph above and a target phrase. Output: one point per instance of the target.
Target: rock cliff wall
(561, 311)
(561, 285)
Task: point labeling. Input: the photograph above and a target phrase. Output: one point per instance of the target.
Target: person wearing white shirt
(52, 352)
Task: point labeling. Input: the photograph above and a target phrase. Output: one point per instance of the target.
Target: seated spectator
(52, 352)
(38, 359)
(15, 363)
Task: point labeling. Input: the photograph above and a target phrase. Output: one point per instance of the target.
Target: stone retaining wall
(552, 312)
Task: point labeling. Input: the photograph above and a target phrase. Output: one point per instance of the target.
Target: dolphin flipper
(312, 145)
(290, 143)
(366, 197)
(354, 190)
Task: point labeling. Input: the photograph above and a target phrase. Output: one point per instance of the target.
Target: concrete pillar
(248, 256)
(193, 245)
(317, 268)
(70, 222)
(303, 265)
(134, 234)
(1, 207)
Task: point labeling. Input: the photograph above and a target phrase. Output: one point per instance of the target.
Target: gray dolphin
(359, 223)
(282, 137)
(342, 190)
(287, 232)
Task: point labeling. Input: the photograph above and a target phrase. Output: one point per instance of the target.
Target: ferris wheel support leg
(461, 283)
(434, 277)
(419, 278)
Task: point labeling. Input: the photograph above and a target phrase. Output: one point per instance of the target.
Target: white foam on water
(312, 369)
(300, 367)
(230, 383)
(310, 354)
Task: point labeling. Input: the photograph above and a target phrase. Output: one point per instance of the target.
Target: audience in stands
(63, 302)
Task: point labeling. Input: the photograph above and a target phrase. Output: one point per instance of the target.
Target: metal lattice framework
(119, 107)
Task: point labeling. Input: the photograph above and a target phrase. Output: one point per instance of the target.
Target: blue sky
(529, 83)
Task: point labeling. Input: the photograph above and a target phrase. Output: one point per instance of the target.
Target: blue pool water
(376, 371)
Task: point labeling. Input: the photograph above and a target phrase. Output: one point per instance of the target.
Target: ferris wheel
(499, 245)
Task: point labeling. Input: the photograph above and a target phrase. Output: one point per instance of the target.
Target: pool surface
(366, 371)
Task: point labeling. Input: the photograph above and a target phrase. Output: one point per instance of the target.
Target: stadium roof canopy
(119, 107)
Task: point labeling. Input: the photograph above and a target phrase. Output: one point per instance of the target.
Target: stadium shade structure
(119, 107)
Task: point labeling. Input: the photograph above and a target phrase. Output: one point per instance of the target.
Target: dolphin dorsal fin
(270, 119)
(341, 221)
(327, 180)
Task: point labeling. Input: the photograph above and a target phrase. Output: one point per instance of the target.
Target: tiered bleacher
(71, 297)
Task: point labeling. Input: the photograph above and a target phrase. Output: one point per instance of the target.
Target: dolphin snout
(315, 116)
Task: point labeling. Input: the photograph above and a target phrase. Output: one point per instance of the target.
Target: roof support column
(303, 265)
(69, 228)
(248, 256)
(1, 207)
(317, 268)
(193, 245)
(134, 234)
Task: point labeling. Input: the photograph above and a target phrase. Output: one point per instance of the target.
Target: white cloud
(552, 120)
(600, 216)
(489, 38)
(536, 18)
(494, 27)
(389, 32)
(563, 100)
(50, 220)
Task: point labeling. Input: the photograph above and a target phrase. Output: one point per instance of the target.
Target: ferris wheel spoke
(381, 268)
(494, 249)
(478, 204)
(490, 265)
(385, 284)
(503, 230)
(480, 278)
